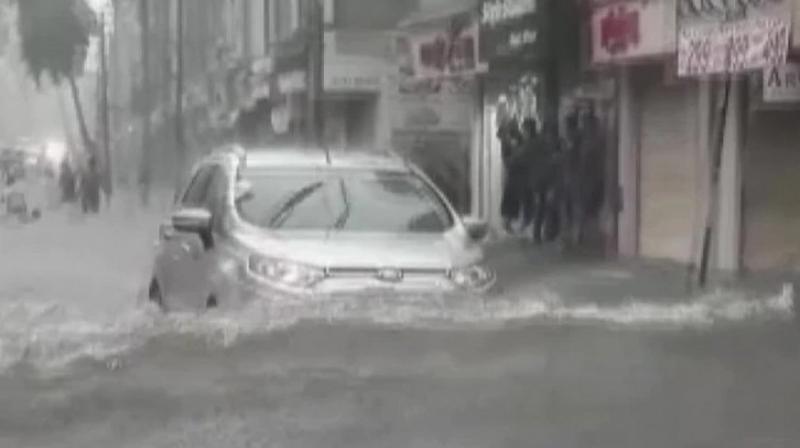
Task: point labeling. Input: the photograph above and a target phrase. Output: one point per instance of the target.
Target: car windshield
(344, 200)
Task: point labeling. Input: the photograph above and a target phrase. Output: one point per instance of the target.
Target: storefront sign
(782, 84)
(353, 74)
(625, 30)
(731, 36)
(508, 28)
(443, 53)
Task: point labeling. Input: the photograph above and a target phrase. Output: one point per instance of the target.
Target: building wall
(370, 14)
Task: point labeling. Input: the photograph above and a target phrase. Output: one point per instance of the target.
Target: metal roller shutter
(771, 173)
(669, 170)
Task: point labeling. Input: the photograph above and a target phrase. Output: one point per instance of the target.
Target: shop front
(770, 161)
(434, 101)
(754, 217)
(660, 160)
(514, 87)
(357, 64)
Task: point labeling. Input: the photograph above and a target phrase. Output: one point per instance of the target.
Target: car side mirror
(194, 220)
(243, 191)
(477, 229)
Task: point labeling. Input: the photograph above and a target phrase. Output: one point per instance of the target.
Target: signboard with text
(510, 28)
(353, 74)
(625, 30)
(445, 52)
(781, 84)
(731, 37)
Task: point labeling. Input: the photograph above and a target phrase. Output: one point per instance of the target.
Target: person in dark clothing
(547, 176)
(90, 188)
(593, 163)
(67, 182)
(569, 183)
(510, 148)
(531, 174)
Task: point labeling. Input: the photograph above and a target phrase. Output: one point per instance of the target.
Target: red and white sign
(732, 47)
(443, 53)
(624, 30)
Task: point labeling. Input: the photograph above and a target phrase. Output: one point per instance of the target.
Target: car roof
(316, 158)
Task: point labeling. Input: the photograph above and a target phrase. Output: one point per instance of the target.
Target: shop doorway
(350, 122)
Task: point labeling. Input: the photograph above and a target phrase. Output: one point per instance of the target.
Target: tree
(55, 37)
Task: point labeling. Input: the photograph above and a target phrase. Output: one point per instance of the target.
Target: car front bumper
(255, 289)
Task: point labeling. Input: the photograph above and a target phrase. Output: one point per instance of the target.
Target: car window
(195, 194)
(354, 201)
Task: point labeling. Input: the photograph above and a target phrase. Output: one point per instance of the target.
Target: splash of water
(51, 337)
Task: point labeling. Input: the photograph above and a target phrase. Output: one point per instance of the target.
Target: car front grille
(361, 272)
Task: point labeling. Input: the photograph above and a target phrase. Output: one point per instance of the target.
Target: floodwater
(84, 362)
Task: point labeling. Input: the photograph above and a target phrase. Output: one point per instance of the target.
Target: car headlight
(473, 277)
(284, 272)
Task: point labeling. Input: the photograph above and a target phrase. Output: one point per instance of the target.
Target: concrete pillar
(730, 186)
(629, 165)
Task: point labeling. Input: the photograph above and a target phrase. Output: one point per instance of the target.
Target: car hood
(366, 250)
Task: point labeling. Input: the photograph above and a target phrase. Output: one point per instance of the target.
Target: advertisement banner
(625, 30)
(731, 37)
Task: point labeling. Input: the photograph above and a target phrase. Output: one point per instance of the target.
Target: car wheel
(155, 296)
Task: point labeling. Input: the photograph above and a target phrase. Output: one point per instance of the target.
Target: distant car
(260, 224)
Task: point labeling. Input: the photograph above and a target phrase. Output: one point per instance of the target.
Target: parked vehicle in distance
(295, 222)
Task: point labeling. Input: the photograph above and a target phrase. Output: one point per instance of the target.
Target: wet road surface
(82, 364)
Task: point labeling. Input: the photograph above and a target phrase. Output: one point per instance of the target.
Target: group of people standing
(554, 183)
(83, 185)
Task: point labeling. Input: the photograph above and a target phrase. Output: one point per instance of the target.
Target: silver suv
(253, 225)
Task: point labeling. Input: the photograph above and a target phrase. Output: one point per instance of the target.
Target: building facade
(669, 102)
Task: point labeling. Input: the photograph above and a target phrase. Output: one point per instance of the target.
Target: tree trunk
(76, 98)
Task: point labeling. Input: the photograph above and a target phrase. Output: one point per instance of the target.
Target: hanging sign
(626, 30)
(716, 37)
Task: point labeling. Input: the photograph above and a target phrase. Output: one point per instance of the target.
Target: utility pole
(315, 35)
(716, 168)
(180, 143)
(145, 95)
(105, 125)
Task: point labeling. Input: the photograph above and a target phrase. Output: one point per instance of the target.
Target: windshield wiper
(279, 218)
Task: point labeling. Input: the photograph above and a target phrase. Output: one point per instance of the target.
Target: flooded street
(85, 363)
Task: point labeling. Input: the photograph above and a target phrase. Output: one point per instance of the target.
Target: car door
(201, 267)
(180, 249)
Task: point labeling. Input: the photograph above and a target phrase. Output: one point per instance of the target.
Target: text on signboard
(499, 11)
